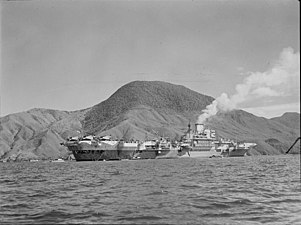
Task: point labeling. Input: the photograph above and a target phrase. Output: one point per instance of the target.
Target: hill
(37, 133)
(147, 100)
(139, 110)
(289, 119)
(273, 136)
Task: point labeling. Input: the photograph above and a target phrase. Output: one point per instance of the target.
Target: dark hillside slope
(164, 98)
(289, 119)
(37, 133)
(272, 136)
(144, 122)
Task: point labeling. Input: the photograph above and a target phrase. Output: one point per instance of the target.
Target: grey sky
(70, 55)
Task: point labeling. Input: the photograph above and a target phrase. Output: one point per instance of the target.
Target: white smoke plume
(281, 80)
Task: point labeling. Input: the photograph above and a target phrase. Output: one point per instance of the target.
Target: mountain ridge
(161, 96)
(139, 110)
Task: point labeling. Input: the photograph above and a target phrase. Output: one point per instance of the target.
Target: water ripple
(248, 190)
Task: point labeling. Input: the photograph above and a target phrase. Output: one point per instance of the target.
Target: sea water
(247, 190)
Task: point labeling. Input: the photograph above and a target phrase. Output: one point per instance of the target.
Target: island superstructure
(202, 142)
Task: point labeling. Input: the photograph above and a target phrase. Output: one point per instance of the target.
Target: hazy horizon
(71, 55)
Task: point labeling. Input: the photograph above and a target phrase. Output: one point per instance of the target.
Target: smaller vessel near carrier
(230, 148)
(161, 148)
(203, 142)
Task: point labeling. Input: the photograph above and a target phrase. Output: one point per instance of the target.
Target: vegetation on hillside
(140, 110)
(160, 96)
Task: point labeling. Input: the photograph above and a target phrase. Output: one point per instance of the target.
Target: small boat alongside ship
(58, 160)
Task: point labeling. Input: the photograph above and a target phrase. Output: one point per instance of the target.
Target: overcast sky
(70, 55)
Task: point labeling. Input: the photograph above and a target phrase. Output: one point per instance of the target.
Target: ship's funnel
(199, 127)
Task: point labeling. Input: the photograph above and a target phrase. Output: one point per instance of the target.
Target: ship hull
(101, 152)
(160, 153)
(201, 154)
(88, 155)
(239, 152)
(172, 154)
(146, 154)
(202, 151)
